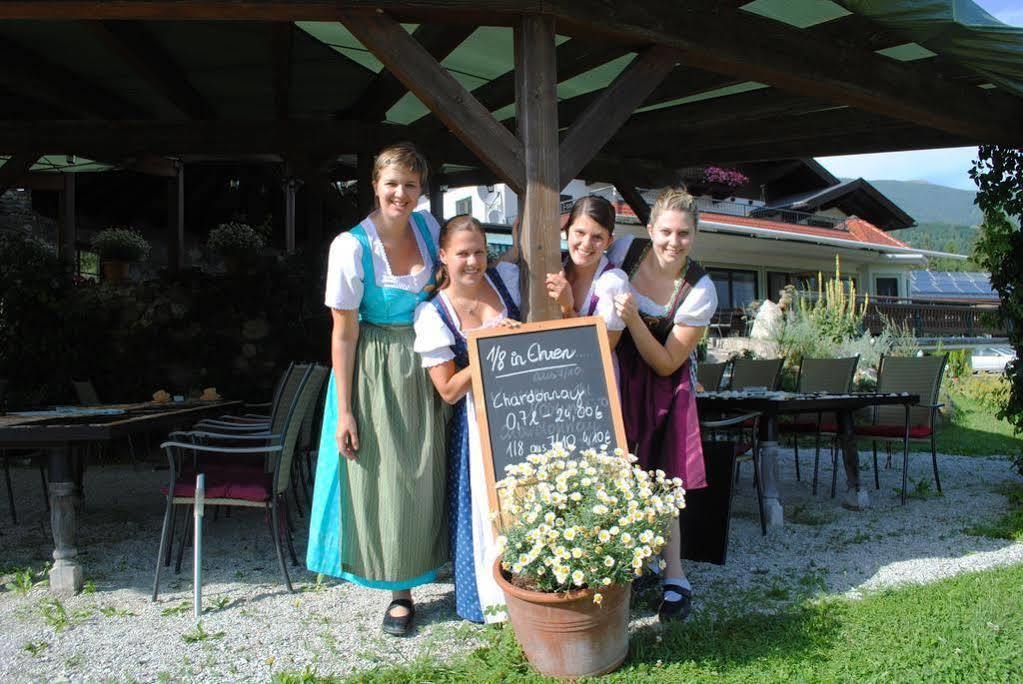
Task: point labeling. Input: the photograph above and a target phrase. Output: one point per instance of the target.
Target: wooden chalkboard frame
(614, 401)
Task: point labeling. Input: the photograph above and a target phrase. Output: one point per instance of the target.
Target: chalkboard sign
(541, 384)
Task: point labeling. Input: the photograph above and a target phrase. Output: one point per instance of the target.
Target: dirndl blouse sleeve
(509, 275)
(344, 273)
(434, 340)
(609, 285)
(698, 308)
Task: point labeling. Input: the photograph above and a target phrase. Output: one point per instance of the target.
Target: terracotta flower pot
(115, 271)
(568, 635)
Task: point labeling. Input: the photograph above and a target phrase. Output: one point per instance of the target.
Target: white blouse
(344, 266)
(434, 340)
(696, 310)
(606, 286)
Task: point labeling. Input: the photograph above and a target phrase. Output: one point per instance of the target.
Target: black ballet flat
(398, 625)
(675, 611)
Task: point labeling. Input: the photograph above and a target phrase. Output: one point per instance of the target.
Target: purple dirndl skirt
(661, 424)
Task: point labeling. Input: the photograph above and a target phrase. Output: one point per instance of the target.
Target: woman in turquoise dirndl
(377, 516)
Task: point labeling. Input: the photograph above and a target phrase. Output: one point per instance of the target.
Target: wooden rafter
(16, 167)
(758, 49)
(635, 200)
(27, 71)
(385, 90)
(615, 104)
(574, 57)
(281, 38)
(136, 46)
(468, 120)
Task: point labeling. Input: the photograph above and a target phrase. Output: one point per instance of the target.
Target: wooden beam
(134, 138)
(176, 220)
(754, 48)
(635, 201)
(385, 90)
(139, 48)
(574, 57)
(494, 13)
(468, 120)
(15, 168)
(281, 35)
(26, 71)
(615, 104)
(537, 117)
(39, 180)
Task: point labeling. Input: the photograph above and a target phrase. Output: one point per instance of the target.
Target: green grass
(965, 629)
(975, 432)
(1009, 525)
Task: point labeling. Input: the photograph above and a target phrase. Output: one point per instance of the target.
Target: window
(88, 265)
(735, 289)
(777, 280)
(463, 206)
(887, 286)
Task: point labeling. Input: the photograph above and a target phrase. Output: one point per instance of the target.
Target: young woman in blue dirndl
(470, 297)
(377, 516)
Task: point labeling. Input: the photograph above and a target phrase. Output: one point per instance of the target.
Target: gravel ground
(253, 627)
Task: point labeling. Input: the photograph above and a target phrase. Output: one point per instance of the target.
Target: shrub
(235, 239)
(584, 519)
(990, 391)
(120, 244)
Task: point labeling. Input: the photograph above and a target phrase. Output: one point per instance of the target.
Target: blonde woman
(671, 303)
(377, 517)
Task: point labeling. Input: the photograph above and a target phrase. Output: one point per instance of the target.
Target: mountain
(930, 203)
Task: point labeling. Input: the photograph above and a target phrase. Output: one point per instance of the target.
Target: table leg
(769, 476)
(856, 497)
(66, 573)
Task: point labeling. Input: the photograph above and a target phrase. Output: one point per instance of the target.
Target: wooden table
(65, 434)
(773, 404)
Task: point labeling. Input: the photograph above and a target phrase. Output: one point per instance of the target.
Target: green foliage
(235, 239)
(998, 173)
(178, 333)
(989, 391)
(54, 614)
(35, 648)
(943, 237)
(1010, 524)
(24, 580)
(833, 313)
(959, 364)
(199, 634)
(120, 244)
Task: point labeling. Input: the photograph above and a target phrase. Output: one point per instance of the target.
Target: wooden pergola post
(176, 219)
(536, 106)
(364, 180)
(437, 200)
(68, 229)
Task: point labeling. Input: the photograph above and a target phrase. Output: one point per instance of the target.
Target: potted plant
(117, 248)
(584, 526)
(237, 243)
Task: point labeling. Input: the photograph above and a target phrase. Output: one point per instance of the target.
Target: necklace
(471, 308)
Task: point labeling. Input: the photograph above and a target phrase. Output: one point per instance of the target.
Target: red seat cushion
(741, 448)
(241, 484)
(915, 431)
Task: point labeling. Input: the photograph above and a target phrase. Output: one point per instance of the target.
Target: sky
(944, 167)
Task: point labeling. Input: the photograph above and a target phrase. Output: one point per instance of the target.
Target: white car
(992, 359)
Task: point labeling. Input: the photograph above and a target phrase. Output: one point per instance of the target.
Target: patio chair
(709, 375)
(239, 484)
(748, 373)
(916, 375)
(722, 323)
(818, 375)
(256, 422)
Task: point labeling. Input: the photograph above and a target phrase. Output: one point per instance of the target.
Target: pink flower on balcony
(728, 177)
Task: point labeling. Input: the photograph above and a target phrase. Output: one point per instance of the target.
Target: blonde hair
(402, 154)
(675, 199)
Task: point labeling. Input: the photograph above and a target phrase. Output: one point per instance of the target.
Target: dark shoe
(675, 611)
(398, 625)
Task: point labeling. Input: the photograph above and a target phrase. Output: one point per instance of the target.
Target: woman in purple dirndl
(671, 303)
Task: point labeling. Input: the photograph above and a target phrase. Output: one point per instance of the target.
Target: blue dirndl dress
(464, 553)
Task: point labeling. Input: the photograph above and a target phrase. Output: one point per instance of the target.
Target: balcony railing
(797, 218)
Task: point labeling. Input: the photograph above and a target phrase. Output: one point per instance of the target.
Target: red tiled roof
(855, 228)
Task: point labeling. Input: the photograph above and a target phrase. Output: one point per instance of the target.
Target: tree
(998, 173)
